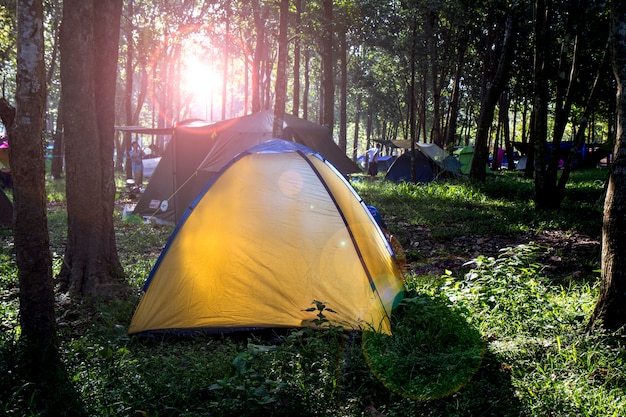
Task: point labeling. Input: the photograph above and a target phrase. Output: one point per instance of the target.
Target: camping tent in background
(301, 234)
(442, 158)
(198, 149)
(431, 162)
(400, 170)
(6, 210)
(384, 162)
(465, 155)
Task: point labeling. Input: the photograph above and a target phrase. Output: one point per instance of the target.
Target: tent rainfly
(198, 149)
(275, 230)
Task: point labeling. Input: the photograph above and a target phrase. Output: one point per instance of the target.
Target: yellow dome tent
(274, 231)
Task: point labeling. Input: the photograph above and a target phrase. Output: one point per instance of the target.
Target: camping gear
(275, 231)
(198, 149)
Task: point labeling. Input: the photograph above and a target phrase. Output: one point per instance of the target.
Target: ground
(571, 255)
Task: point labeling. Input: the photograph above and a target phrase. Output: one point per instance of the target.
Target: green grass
(502, 335)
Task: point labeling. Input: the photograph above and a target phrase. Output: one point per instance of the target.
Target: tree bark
(296, 60)
(30, 230)
(307, 84)
(343, 89)
(328, 83)
(540, 103)
(258, 56)
(431, 40)
(281, 71)
(91, 265)
(610, 310)
(498, 83)
(450, 138)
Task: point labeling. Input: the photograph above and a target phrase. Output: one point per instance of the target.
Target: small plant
(321, 308)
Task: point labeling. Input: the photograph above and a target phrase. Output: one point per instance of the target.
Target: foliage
(502, 334)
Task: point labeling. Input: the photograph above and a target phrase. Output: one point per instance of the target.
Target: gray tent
(198, 149)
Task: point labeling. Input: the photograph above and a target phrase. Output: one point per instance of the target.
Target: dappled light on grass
(432, 353)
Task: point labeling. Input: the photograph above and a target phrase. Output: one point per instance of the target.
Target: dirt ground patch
(569, 255)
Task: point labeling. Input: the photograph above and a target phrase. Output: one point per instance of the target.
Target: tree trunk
(91, 265)
(225, 76)
(258, 56)
(30, 229)
(610, 310)
(128, 93)
(307, 85)
(540, 105)
(500, 78)
(296, 59)
(450, 138)
(343, 91)
(357, 121)
(431, 39)
(56, 166)
(281, 71)
(328, 113)
(413, 129)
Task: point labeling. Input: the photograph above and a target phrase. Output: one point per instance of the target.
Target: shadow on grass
(435, 361)
(36, 383)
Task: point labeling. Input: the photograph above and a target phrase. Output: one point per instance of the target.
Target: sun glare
(200, 78)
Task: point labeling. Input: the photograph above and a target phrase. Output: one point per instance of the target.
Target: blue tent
(400, 170)
(384, 162)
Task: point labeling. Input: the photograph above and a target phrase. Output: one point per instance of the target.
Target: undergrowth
(499, 336)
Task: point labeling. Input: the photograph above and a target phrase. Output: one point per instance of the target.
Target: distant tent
(198, 149)
(6, 210)
(400, 170)
(431, 162)
(384, 162)
(275, 230)
(465, 155)
(442, 158)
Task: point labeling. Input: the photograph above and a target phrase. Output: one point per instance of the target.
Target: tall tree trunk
(582, 127)
(91, 265)
(431, 39)
(357, 120)
(456, 90)
(500, 79)
(281, 71)
(343, 91)
(30, 229)
(128, 93)
(296, 60)
(56, 165)
(307, 85)
(610, 310)
(58, 149)
(328, 82)
(543, 188)
(225, 74)
(413, 98)
(259, 25)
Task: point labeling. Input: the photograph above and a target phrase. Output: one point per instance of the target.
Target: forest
(514, 277)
